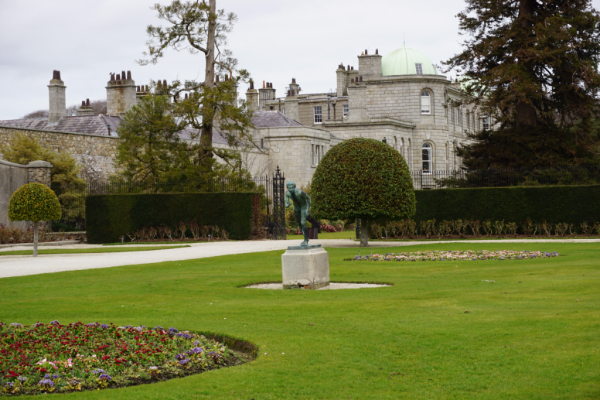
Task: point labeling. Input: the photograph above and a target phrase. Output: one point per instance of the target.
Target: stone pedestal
(305, 268)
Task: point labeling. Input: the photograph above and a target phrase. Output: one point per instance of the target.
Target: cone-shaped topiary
(362, 178)
(34, 202)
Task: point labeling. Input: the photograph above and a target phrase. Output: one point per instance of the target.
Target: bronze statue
(301, 202)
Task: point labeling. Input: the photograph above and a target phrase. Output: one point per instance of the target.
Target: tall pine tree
(532, 65)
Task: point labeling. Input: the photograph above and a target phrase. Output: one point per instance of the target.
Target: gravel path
(28, 265)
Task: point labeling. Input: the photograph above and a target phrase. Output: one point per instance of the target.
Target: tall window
(318, 112)
(486, 122)
(468, 120)
(409, 157)
(317, 153)
(346, 108)
(447, 156)
(427, 155)
(459, 111)
(425, 102)
(453, 114)
(419, 68)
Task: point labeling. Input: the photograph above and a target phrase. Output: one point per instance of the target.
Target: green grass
(93, 250)
(525, 336)
(328, 235)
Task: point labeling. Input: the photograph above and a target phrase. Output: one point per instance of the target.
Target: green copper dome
(405, 61)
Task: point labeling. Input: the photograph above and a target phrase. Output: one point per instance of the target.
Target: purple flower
(105, 377)
(92, 324)
(16, 325)
(55, 376)
(21, 379)
(38, 324)
(9, 385)
(196, 343)
(128, 326)
(180, 357)
(184, 335)
(46, 382)
(47, 376)
(172, 330)
(183, 362)
(54, 323)
(104, 326)
(139, 329)
(195, 350)
(159, 328)
(98, 371)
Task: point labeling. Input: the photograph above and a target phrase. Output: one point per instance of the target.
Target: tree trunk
(526, 115)
(209, 75)
(364, 233)
(35, 238)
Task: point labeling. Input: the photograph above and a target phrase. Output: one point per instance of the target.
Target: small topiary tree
(34, 202)
(365, 179)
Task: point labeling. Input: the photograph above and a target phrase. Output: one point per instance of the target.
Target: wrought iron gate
(279, 231)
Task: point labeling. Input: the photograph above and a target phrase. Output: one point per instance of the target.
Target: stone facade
(421, 116)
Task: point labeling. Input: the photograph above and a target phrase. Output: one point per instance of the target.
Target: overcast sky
(274, 39)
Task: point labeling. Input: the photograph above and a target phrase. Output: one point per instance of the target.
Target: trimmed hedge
(555, 204)
(108, 217)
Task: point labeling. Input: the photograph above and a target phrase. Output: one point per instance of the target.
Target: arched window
(427, 154)
(425, 102)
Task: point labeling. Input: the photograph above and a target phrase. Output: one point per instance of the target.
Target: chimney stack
(267, 93)
(58, 101)
(85, 108)
(120, 94)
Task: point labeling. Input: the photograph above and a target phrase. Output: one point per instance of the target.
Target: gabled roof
(88, 124)
(272, 119)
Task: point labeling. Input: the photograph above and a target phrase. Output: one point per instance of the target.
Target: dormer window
(419, 68)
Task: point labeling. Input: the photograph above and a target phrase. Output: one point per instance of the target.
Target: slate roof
(272, 119)
(99, 124)
(88, 124)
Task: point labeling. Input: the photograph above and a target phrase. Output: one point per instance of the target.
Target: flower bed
(456, 256)
(64, 358)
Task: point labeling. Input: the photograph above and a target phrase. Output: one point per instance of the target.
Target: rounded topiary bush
(362, 178)
(34, 202)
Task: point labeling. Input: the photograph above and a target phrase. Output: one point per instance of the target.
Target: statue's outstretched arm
(287, 199)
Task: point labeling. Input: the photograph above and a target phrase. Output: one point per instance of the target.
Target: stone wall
(290, 149)
(103, 149)
(12, 177)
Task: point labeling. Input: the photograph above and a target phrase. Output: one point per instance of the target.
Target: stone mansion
(399, 98)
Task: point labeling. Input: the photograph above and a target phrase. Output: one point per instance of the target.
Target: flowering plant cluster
(62, 358)
(457, 255)
(9, 235)
(182, 231)
(332, 228)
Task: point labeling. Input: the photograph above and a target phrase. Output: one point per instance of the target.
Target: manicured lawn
(533, 334)
(94, 250)
(327, 235)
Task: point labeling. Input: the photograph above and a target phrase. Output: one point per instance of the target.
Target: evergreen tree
(532, 65)
(149, 143)
(198, 27)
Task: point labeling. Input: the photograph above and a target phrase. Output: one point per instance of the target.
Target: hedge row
(555, 204)
(108, 217)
